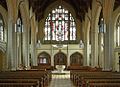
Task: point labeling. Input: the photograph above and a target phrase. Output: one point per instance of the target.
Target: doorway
(60, 59)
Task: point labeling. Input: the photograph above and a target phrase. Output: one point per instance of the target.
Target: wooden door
(60, 59)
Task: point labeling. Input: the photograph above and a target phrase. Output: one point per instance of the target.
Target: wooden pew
(19, 83)
(104, 85)
(42, 76)
(87, 81)
(80, 79)
(75, 76)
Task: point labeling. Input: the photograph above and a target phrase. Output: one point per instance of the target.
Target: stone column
(101, 50)
(94, 45)
(26, 22)
(52, 56)
(33, 41)
(11, 46)
(86, 53)
(108, 39)
(26, 60)
(19, 48)
(96, 9)
(107, 48)
(11, 40)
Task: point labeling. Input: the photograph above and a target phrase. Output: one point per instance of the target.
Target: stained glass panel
(59, 24)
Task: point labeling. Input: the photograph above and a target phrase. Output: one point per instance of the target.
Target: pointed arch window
(118, 32)
(1, 29)
(60, 25)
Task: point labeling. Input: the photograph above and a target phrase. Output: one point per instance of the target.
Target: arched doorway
(44, 58)
(60, 59)
(76, 59)
(44, 62)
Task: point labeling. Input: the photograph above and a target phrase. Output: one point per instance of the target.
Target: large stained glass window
(60, 25)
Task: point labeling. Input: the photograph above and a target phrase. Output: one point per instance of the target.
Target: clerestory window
(1, 29)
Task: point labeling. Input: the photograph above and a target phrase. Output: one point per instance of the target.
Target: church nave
(61, 80)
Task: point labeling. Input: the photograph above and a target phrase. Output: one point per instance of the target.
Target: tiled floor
(61, 80)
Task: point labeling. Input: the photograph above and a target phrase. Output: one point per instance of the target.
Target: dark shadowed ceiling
(3, 3)
(80, 6)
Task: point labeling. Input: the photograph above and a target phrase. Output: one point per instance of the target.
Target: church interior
(59, 43)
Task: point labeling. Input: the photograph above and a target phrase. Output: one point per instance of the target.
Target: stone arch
(44, 58)
(50, 8)
(60, 59)
(76, 59)
(57, 3)
(24, 14)
(4, 14)
(115, 16)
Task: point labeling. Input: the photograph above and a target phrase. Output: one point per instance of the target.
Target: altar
(60, 69)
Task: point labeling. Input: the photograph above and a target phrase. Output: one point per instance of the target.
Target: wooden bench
(88, 81)
(81, 79)
(19, 83)
(104, 85)
(43, 77)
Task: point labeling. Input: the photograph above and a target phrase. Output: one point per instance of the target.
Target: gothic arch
(76, 59)
(4, 15)
(44, 58)
(60, 59)
(24, 13)
(115, 16)
(50, 8)
(57, 3)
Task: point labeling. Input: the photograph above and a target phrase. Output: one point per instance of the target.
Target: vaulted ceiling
(80, 6)
(3, 3)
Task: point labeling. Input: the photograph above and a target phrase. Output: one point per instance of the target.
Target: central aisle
(61, 80)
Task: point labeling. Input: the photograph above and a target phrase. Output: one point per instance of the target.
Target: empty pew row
(25, 78)
(75, 76)
(100, 82)
(90, 79)
(19, 82)
(104, 85)
(18, 85)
